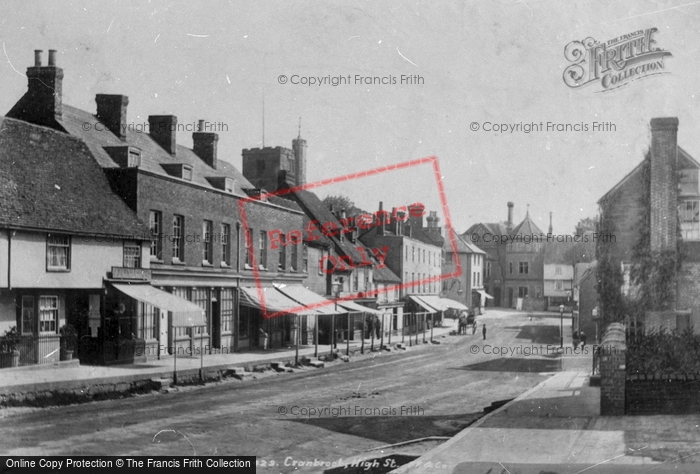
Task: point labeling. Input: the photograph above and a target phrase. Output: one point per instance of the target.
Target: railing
(35, 350)
(596, 360)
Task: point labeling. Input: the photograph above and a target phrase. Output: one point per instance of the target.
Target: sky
(477, 62)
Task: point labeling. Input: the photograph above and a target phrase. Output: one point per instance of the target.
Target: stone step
(162, 383)
(316, 363)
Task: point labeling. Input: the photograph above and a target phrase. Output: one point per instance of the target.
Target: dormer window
(125, 156)
(134, 160)
(257, 194)
(222, 183)
(178, 170)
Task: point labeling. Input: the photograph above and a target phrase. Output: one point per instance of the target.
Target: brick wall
(197, 204)
(664, 188)
(612, 371)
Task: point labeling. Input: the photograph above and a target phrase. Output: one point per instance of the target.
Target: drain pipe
(10, 234)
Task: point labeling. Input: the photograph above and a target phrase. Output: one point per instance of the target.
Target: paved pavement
(556, 427)
(42, 378)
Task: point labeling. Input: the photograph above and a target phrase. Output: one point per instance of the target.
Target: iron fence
(36, 350)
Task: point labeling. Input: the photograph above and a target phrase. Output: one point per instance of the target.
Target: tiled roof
(316, 209)
(527, 227)
(463, 246)
(152, 154)
(558, 252)
(50, 181)
(494, 228)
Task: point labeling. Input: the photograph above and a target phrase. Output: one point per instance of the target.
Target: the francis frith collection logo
(614, 63)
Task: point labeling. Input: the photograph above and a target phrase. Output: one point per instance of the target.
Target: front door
(497, 296)
(510, 297)
(215, 324)
(164, 333)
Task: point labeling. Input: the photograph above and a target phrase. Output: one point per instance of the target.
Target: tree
(587, 224)
(340, 202)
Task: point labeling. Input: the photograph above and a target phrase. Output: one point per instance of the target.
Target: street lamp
(336, 288)
(561, 328)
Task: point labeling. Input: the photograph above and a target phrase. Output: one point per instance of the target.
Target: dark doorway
(215, 324)
(497, 296)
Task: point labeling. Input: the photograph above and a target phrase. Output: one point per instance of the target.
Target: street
(291, 420)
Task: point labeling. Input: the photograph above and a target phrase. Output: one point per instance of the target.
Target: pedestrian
(583, 337)
(483, 330)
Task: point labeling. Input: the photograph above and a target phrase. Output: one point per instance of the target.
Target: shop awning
(434, 301)
(185, 313)
(423, 304)
(353, 307)
(272, 301)
(484, 294)
(305, 297)
(450, 303)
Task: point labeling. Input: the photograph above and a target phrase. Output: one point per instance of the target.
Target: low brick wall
(662, 395)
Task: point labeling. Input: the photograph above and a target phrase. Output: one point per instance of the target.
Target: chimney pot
(201, 125)
(52, 57)
(37, 57)
(509, 223)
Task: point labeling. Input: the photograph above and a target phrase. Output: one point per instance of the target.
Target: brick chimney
(205, 145)
(111, 110)
(382, 218)
(162, 129)
(433, 221)
(509, 222)
(415, 215)
(664, 183)
(42, 104)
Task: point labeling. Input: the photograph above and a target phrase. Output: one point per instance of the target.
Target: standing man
(483, 330)
(582, 336)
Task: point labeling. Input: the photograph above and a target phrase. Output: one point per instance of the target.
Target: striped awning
(305, 297)
(423, 304)
(185, 313)
(270, 301)
(353, 307)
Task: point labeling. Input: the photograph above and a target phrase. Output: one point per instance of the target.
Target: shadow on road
(511, 364)
(538, 334)
(394, 429)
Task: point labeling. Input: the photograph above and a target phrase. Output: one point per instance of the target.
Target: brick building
(558, 276)
(332, 251)
(201, 250)
(660, 194)
(414, 253)
(514, 268)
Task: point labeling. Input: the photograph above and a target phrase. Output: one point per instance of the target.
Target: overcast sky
(479, 61)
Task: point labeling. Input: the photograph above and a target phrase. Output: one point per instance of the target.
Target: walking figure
(582, 336)
(483, 330)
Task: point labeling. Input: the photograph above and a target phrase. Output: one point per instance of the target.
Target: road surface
(317, 415)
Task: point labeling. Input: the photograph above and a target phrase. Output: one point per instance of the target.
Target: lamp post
(561, 327)
(335, 288)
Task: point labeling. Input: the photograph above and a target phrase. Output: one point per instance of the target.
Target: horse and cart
(467, 319)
